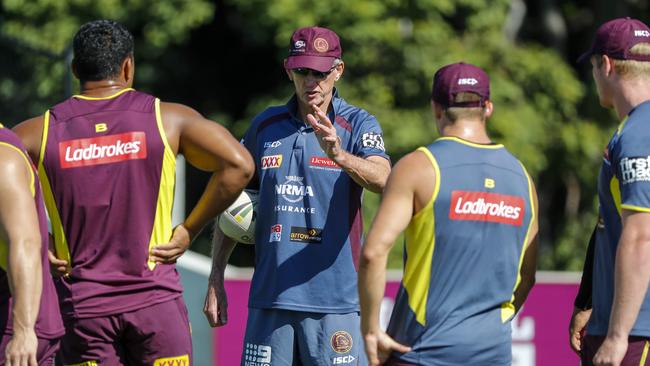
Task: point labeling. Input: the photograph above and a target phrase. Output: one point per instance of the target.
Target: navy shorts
(291, 338)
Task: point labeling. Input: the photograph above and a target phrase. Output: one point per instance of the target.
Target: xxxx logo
(183, 360)
(271, 161)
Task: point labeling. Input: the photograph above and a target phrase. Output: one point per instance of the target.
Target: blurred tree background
(224, 58)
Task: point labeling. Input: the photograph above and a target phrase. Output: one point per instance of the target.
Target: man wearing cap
(469, 211)
(314, 156)
(618, 329)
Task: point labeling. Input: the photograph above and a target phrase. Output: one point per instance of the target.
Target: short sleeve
(369, 139)
(250, 143)
(631, 165)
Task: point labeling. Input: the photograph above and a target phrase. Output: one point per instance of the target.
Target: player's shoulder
(632, 135)
(414, 168)
(268, 117)
(353, 115)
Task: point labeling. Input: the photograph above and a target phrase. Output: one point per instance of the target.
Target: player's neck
(472, 131)
(102, 88)
(630, 95)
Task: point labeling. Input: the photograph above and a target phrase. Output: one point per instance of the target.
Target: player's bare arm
(529, 262)
(371, 173)
(18, 223)
(632, 276)
(583, 302)
(215, 306)
(210, 147)
(409, 188)
(31, 133)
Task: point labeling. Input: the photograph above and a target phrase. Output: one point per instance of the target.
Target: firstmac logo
(103, 150)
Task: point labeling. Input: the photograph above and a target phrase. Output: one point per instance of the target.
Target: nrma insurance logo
(294, 189)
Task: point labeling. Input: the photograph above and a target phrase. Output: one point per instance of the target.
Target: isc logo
(467, 81)
(342, 360)
(641, 33)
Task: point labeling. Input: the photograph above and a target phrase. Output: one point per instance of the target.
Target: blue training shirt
(462, 256)
(624, 183)
(309, 226)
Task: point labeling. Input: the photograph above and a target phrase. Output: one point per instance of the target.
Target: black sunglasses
(316, 74)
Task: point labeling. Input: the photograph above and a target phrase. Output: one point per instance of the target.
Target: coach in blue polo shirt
(314, 156)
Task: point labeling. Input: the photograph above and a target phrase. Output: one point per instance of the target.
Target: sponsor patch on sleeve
(635, 169)
(485, 206)
(372, 140)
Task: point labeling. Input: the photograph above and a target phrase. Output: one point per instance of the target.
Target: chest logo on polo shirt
(636, 169)
(318, 162)
(293, 189)
(271, 161)
(103, 150)
(485, 206)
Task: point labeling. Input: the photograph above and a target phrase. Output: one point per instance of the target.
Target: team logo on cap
(321, 45)
(341, 342)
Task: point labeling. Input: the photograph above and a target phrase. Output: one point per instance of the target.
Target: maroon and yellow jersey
(108, 177)
(48, 323)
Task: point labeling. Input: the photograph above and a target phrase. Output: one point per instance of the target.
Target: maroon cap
(460, 78)
(615, 38)
(313, 48)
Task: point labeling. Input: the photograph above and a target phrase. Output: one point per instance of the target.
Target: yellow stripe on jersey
(420, 243)
(104, 98)
(615, 190)
(644, 355)
(621, 125)
(61, 248)
(508, 308)
(472, 144)
(162, 225)
(4, 247)
(635, 208)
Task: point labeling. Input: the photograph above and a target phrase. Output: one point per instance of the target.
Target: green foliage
(39, 33)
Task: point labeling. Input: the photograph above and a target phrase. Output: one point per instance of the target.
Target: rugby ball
(238, 220)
